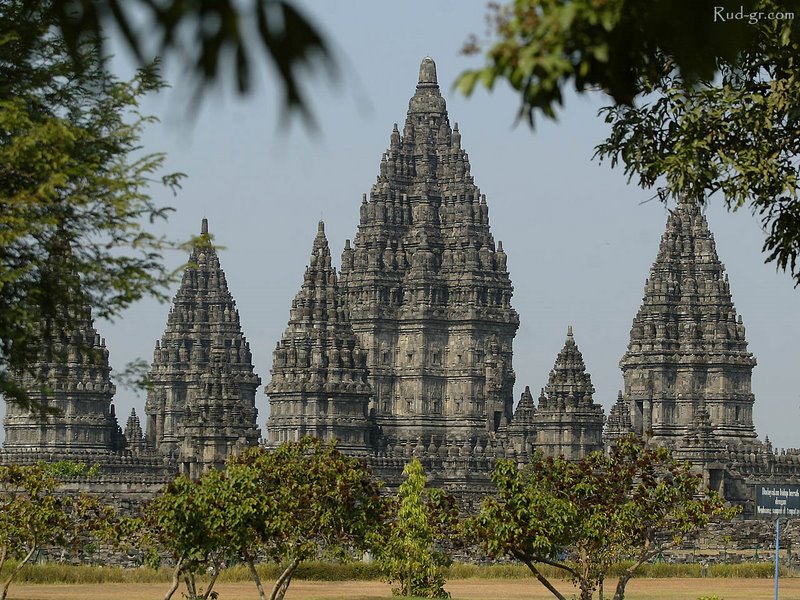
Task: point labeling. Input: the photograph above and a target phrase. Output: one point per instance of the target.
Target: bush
(759, 570)
(58, 573)
(54, 573)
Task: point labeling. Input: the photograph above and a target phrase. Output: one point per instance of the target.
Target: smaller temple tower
(72, 375)
(568, 422)
(319, 381)
(134, 434)
(203, 314)
(522, 431)
(618, 424)
(687, 346)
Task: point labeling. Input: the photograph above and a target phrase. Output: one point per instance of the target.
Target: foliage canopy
(409, 554)
(736, 136)
(74, 189)
(208, 38)
(583, 516)
(305, 500)
(705, 95)
(33, 514)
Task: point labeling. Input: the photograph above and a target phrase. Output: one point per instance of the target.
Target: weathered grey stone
(71, 375)
(618, 424)
(319, 381)
(567, 421)
(687, 345)
(202, 365)
(427, 288)
(408, 353)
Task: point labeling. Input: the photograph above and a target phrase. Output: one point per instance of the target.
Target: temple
(72, 376)
(687, 346)
(202, 384)
(568, 423)
(319, 381)
(427, 289)
(407, 352)
(70, 379)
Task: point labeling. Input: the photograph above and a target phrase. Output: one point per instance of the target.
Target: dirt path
(463, 589)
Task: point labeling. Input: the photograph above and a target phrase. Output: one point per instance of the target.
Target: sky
(580, 240)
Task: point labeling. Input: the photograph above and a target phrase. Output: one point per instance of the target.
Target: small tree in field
(305, 500)
(582, 517)
(189, 521)
(313, 501)
(408, 555)
(34, 515)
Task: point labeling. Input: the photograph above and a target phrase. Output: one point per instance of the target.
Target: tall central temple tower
(428, 291)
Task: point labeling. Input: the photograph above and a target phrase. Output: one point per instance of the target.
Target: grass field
(462, 589)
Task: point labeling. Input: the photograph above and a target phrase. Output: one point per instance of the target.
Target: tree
(210, 38)
(542, 46)
(301, 501)
(409, 555)
(582, 517)
(704, 96)
(187, 520)
(317, 502)
(738, 135)
(74, 197)
(33, 514)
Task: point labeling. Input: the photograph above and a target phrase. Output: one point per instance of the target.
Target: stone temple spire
(687, 345)
(203, 310)
(134, 434)
(319, 381)
(522, 431)
(619, 424)
(568, 422)
(71, 374)
(428, 288)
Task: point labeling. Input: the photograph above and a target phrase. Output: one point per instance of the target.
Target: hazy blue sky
(579, 239)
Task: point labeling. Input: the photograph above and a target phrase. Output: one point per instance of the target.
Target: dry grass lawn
(462, 589)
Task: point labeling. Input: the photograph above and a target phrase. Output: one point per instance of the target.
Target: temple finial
(427, 71)
(204, 227)
(569, 330)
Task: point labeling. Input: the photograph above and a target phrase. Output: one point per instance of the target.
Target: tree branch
(176, 574)
(212, 582)
(16, 570)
